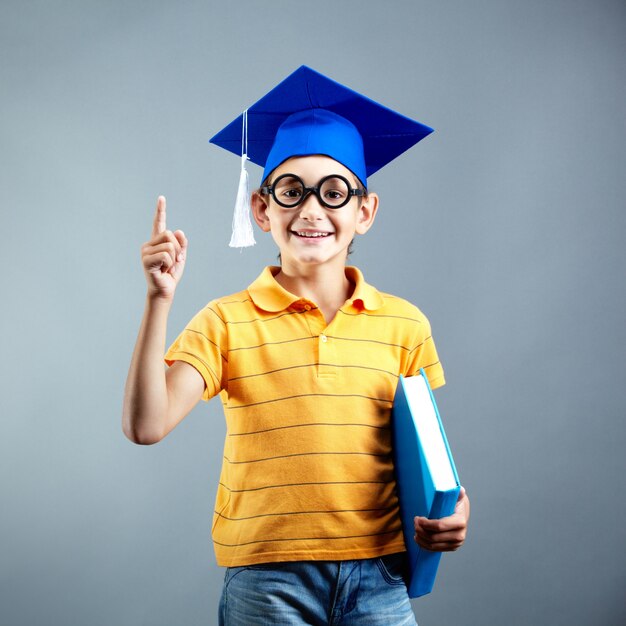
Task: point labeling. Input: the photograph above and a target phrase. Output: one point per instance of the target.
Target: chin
(320, 258)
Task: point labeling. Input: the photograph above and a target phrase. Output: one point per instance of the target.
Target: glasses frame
(270, 190)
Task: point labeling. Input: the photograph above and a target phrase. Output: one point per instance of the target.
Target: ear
(259, 207)
(367, 213)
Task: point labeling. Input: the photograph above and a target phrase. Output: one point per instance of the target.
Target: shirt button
(324, 338)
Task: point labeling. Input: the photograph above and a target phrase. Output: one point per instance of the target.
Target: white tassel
(243, 235)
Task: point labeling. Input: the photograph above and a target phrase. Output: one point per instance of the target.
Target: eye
(291, 192)
(334, 191)
(288, 190)
(334, 194)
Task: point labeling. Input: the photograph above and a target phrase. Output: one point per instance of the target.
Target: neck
(327, 286)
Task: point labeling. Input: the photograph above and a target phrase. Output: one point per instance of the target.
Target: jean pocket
(393, 568)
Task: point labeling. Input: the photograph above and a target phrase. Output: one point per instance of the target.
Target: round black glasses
(332, 191)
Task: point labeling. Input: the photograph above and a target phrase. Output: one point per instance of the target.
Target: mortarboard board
(308, 113)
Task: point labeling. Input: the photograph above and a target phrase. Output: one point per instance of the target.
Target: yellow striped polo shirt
(307, 472)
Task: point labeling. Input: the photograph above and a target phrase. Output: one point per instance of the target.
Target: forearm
(145, 399)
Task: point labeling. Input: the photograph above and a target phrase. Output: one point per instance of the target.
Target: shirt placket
(325, 345)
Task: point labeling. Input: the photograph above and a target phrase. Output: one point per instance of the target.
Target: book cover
(427, 481)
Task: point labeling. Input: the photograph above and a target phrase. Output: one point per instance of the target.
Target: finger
(159, 262)
(445, 524)
(158, 226)
(181, 254)
(169, 245)
(463, 504)
(182, 242)
(439, 546)
(166, 251)
(166, 238)
(447, 537)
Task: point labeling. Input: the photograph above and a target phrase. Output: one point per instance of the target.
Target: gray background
(506, 227)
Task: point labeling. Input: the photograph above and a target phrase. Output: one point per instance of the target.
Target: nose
(310, 208)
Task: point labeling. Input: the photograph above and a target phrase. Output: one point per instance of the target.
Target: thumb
(462, 504)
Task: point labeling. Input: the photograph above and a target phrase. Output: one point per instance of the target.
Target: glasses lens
(288, 190)
(335, 191)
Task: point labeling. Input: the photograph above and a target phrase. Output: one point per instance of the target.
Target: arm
(445, 534)
(156, 400)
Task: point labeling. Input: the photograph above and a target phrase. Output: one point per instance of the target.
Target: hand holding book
(448, 533)
(434, 507)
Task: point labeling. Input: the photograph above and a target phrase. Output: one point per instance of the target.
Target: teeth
(307, 234)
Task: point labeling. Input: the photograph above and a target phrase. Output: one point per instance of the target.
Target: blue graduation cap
(308, 113)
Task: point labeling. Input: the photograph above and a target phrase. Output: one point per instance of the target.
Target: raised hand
(164, 256)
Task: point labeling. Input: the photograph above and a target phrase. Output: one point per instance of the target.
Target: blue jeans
(368, 592)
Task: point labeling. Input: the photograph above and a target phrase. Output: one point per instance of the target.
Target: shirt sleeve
(203, 345)
(424, 355)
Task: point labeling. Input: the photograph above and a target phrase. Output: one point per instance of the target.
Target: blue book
(426, 477)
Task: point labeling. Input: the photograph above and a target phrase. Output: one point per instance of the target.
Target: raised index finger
(158, 226)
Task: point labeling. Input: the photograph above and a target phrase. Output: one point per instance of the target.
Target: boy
(306, 361)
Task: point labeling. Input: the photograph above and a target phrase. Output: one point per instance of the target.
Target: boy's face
(311, 234)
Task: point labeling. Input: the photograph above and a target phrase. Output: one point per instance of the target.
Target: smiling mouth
(310, 234)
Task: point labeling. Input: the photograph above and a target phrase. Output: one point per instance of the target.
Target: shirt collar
(365, 295)
(268, 295)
